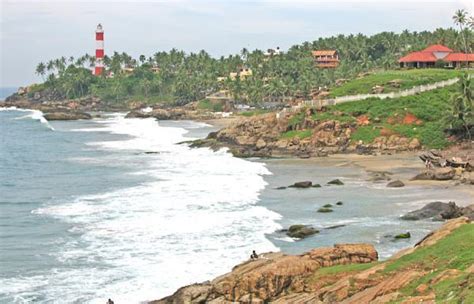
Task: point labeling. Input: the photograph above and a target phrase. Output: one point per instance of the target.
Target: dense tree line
(183, 78)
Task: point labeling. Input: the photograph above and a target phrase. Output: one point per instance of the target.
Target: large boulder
(304, 184)
(336, 182)
(301, 231)
(436, 211)
(440, 174)
(444, 173)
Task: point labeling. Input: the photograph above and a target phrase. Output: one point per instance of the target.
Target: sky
(36, 31)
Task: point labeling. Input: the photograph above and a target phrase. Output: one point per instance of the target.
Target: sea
(123, 209)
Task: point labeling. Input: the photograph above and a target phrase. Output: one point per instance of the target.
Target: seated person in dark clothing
(254, 255)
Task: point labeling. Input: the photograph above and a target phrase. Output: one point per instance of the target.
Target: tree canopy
(179, 78)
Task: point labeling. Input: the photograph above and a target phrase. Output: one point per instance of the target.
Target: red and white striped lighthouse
(99, 51)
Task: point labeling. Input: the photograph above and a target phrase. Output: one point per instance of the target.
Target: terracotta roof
(324, 53)
(437, 48)
(418, 57)
(459, 57)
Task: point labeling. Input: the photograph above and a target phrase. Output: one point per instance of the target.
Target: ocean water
(370, 212)
(114, 208)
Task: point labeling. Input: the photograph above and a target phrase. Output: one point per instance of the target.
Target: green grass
(296, 120)
(254, 112)
(339, 269)
(455, 251)
(206, 104)
(300, 134)
(430, 107)
(408, 79)
(342, 117)
(366, 134)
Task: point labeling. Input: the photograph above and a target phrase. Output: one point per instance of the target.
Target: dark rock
(327, 206)
(305, 184)
(316, 186)
(339, 203)
(437, 211)
(325, 210)
(280, 188)
(337, 182)
(396, 184)
(60, 115)
(406, 235)
(301, 231)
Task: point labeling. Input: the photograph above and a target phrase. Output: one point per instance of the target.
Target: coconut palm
(460, 19)
(41, 69)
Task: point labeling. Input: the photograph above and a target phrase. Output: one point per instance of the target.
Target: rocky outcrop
(279, 278)
(440, 211)
(271, 276)
(63, 115)
(178, 113)
(300, 135)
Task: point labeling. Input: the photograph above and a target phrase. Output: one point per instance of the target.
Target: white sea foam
(33, 114)
(195, 219)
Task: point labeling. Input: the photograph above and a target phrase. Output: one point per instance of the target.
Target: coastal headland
(437, 269)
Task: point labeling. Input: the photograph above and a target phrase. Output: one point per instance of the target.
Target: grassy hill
(444, 268)
(428, 112)
(405, 79)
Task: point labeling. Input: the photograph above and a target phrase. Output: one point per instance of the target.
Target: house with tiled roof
(436, 53)
(326, 58)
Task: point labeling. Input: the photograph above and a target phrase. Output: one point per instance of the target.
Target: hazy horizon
(36, 31)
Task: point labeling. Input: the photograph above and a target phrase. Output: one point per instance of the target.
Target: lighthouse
(99, 50)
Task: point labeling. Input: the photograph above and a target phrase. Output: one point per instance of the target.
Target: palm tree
(41, 69)
(462, 105)
(142, 59)
(460, 19)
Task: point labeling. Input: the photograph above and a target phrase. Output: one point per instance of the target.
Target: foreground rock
(440, 211)
(279, 278)
(271, 276)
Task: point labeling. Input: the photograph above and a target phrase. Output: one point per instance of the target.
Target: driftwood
(436, 159)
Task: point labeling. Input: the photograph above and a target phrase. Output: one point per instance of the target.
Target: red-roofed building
(436, 53)
(326, 58)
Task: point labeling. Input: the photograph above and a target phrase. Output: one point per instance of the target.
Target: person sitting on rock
(254, 255)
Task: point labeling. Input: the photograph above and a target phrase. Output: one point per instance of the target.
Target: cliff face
(439, 266)
(272, 135)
